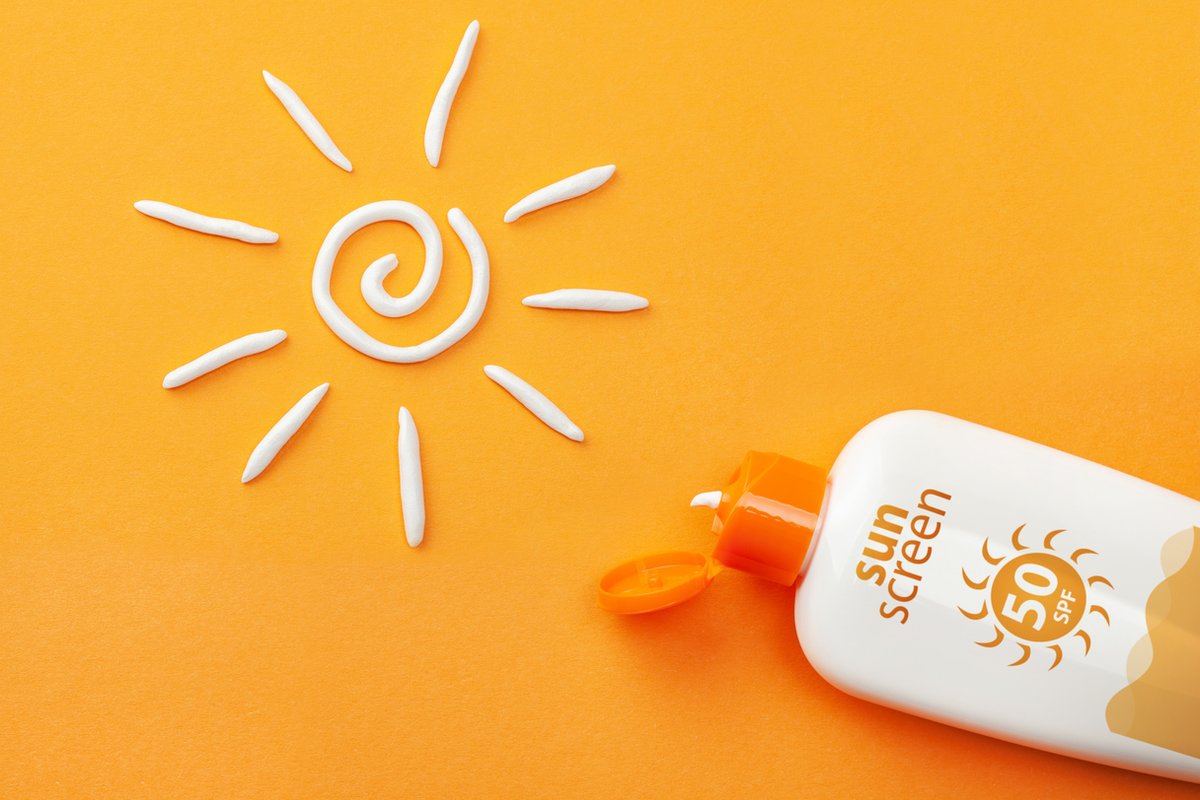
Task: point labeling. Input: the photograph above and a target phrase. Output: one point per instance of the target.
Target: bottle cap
(658, 581)
(764, 522)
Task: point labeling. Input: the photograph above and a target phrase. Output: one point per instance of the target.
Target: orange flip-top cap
(764, 522)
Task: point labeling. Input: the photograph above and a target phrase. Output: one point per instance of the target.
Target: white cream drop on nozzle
(707, 500)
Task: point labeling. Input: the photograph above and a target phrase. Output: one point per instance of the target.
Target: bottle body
(987, 582)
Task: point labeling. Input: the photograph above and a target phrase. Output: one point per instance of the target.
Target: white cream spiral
(372, 281)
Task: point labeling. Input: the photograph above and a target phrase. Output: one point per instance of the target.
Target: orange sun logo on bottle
(1039, 598)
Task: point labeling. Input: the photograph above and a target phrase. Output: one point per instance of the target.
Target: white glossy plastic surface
(935, 663)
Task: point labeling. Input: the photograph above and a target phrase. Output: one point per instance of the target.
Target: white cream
(308, 123)
(707, 500)
(281, 432)
(356, 337)
(412, 485)
(372, 280)
(587, 300)
(535, 401)
(566, 189)
(435, 126)
(216, 226)
(220, 356)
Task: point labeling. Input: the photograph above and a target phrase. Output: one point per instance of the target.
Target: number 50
(1036, 582)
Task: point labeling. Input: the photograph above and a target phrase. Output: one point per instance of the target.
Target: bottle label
(1036, 594)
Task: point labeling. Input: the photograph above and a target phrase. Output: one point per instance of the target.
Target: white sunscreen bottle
(975, 578)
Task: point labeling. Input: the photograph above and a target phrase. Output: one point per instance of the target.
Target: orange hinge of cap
(764, 522)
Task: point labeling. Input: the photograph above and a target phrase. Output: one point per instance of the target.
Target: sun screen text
(898, 545)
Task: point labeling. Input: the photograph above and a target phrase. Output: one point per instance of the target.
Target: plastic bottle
(978, 579)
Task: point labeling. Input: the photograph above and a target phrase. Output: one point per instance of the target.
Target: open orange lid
(765, 519)
(656, 582)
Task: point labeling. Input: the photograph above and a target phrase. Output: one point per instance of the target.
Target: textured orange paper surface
(837, 209)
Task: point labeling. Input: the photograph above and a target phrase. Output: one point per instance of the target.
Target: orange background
(837, 210)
